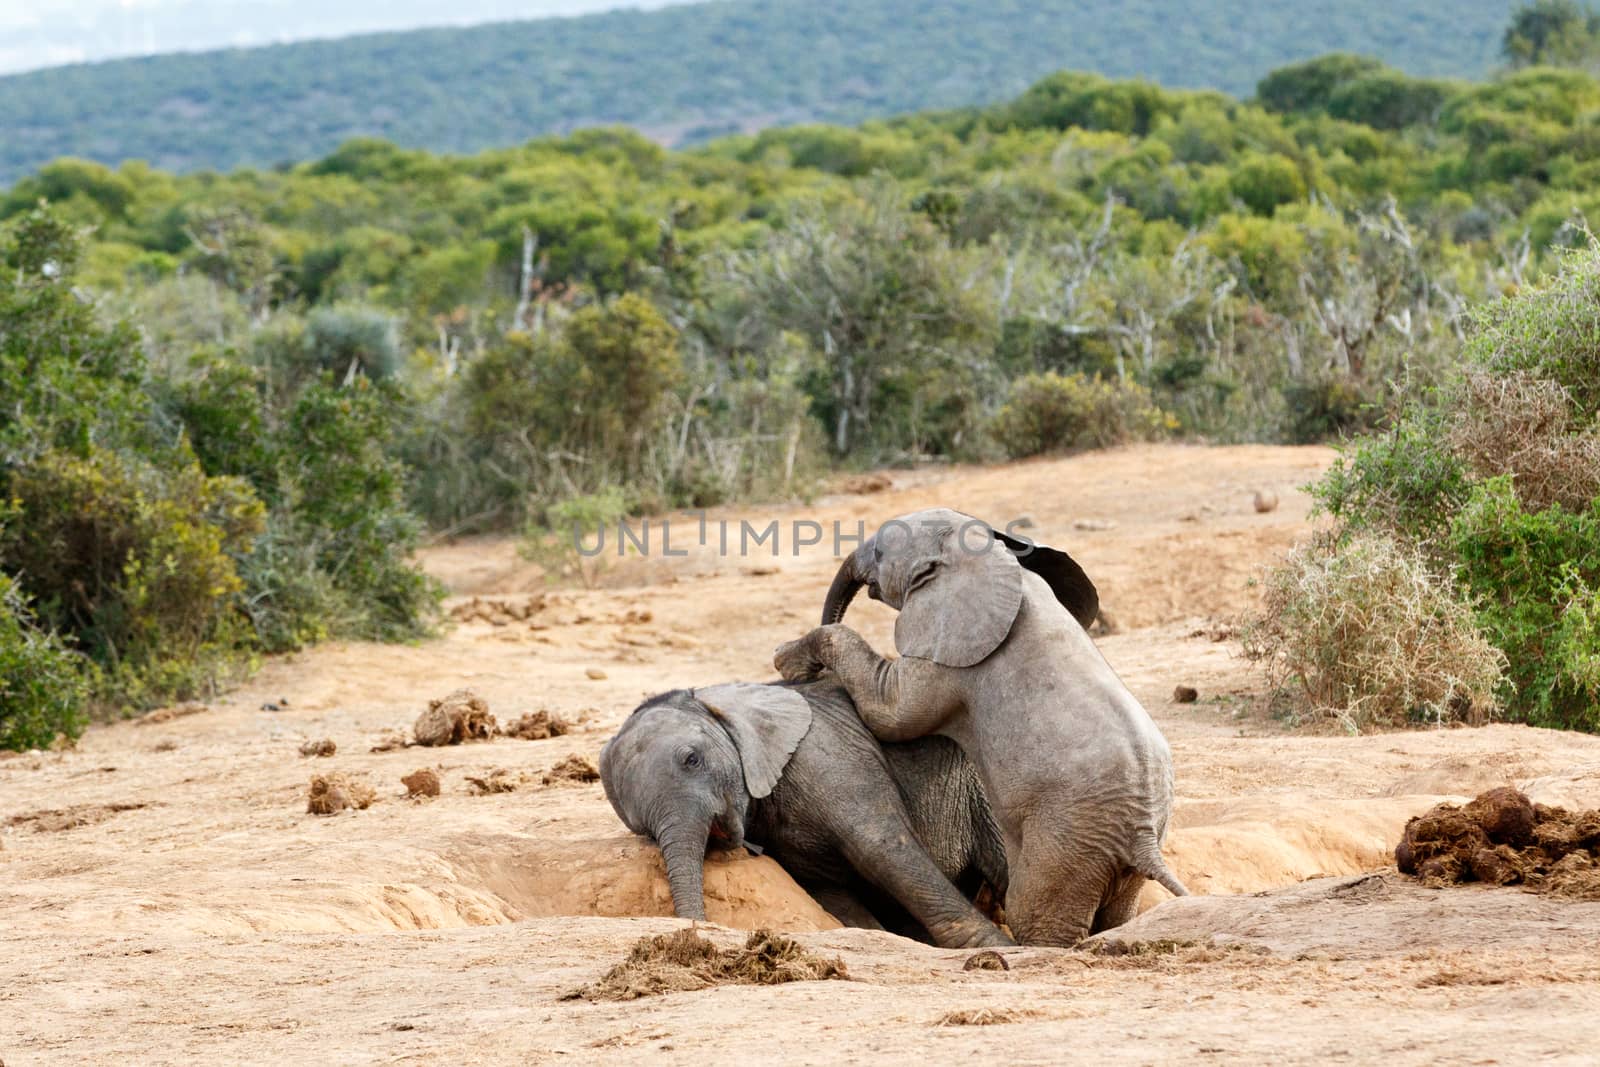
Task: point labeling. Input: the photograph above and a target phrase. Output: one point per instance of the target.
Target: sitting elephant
(994, 654)
(792, 769)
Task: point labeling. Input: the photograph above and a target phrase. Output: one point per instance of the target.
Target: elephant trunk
(685, 853)
(846, 584)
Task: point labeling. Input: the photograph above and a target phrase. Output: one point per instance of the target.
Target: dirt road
(164, 897)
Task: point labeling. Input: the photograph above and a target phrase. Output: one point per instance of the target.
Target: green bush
(136, 565)
(43, 684)
(1053, 412)
(1309, 85)
(1264, 182)
(332, 558)
(341, 496)
(1536, 578)
(1405, 481)
(578, 535)
(1327, 407)
(1549, 330)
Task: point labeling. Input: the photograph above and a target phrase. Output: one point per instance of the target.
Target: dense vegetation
(1464, 572)
(234, 403)
(686, 73)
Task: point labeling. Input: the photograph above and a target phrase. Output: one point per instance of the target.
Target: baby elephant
(792, 769)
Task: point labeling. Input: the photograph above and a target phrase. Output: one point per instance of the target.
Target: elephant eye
(691, 760)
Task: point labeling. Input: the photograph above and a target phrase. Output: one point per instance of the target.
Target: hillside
(685, 73)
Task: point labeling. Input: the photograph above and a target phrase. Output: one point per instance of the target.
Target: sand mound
(459, 717)
(624, 876)
(333, 793)
(1249, 844)
(421, 783)
(572, 769)
(539, 726)
(1367, 916)
(684, 961)
(323, 747)
(1503, 838)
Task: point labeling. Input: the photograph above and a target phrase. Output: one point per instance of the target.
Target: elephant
(994, 654)
(792, 769)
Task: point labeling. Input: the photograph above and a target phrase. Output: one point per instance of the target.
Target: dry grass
(1363, 632)
(1525, 426)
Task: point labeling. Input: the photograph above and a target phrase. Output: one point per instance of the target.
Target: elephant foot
(972, 935)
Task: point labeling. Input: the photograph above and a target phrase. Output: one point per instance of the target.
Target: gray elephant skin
(994, 654)
(793, 770)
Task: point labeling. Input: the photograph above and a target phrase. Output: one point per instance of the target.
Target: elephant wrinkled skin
(792, 769)
(994, 654)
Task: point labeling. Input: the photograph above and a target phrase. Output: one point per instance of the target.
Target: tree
(1553, 33)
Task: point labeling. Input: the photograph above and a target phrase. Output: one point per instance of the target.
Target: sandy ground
(164, 897)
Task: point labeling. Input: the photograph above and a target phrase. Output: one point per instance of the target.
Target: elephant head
(956, 582)
(685, 766)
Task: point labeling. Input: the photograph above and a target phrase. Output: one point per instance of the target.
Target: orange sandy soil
(164, 897)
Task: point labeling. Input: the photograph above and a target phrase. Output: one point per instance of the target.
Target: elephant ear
(961, 615)
(1061, 572)
(767, 723)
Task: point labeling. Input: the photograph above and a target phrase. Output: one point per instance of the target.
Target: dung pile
(459, 717)
(572, 769)
(498, 780)
(538, 726)
(333, 793)
(498, 611)
(1503, 838)
(684, 961)
(421, 783)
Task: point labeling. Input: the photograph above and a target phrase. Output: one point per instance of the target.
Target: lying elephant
(792, 769)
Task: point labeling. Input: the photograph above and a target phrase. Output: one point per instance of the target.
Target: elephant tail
(1148, 862)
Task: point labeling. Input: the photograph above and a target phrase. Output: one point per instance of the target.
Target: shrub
(43, 684)
(1326, 407)
(578, 534)
(1549, 331)
(1404, 482)
(1536, 577)
(136, 565)
(1053, 412)
(332, 559)
(341, 496)
(1263, 182)
(1525, 426)
(1365, 632)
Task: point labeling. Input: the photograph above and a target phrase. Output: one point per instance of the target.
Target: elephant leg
(843, 905)
(1123, 903)
(1054, 895)
(890, 857)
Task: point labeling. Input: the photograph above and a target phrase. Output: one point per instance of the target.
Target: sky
(46, 33)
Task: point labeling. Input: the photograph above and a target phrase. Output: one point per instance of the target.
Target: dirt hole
(684, 961)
